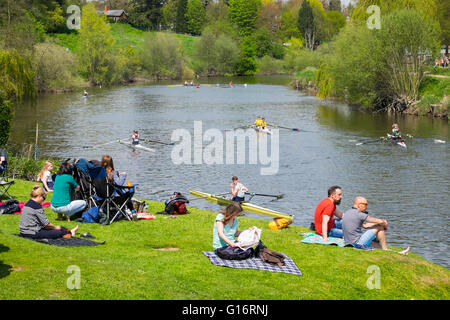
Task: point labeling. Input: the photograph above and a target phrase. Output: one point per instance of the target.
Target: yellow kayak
(245, 205)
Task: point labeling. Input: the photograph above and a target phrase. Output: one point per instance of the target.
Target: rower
(135, 138)
(396, 134)
(238, 190)
(85, 94)
(263, 123)
(258, 121)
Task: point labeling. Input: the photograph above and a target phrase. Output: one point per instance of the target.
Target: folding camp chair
(5, 183)
(110, 197)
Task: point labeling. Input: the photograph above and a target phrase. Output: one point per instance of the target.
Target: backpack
(236, 253)
(10, 207)
(91, 215)
(176, 205)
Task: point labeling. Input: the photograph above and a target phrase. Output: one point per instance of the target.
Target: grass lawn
(130, 266)
(125, 36)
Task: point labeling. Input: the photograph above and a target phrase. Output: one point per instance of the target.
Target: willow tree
(425, 7)
(16, 82)
(95, 44)
(408, 41)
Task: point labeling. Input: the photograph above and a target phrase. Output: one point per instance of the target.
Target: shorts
(367, 238)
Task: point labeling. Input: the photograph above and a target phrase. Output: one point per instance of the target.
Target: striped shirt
(32, 219)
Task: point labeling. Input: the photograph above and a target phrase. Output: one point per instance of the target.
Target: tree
(195, 17)
(6, 115)
(247, 63)
(307, 24)
(145, 14)
(95, 44)
(334, 22)
(169, 14)
(443, 14)
(335, 5)
(269, 15)
(181, 22)
(289, 26)
(243, 14)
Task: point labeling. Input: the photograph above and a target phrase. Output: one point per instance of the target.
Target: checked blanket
(254, 263)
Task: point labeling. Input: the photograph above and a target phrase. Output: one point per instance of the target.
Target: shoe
(87, 235)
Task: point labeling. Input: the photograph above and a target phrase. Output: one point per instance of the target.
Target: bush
(309, 74)
(269, 65)
(161, 56)
(54, 66)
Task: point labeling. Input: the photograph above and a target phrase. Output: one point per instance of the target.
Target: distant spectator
(46, 176)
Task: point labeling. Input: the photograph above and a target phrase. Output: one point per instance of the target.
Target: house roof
(113, 13)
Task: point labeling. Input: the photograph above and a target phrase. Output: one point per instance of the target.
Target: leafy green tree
(181, 22)
(443, 14)
(307, 24)
(169, 14)
(335, 5)
(425, 7)
(145, 14)
(334, 22)
(16, 76)
(243, 14)
(247, 63)
(226, 54)
(195, 16)
(204, 59)
(289, 26)
(95, 44)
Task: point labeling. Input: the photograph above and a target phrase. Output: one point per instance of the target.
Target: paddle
(265, 195)
(154, 141)
(99, 145)
(277, 126)
(215, 195)
(369, 141)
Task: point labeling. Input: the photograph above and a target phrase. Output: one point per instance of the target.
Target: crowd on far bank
(442, 62)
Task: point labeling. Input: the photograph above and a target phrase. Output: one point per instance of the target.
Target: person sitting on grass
(34, 223)
(358, 217)
(226, 227)
(324, 222)
(46, 176)
(62, 189)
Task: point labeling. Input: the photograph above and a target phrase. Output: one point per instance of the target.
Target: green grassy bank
(131, 266)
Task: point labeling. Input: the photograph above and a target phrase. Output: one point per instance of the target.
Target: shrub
(269, 65)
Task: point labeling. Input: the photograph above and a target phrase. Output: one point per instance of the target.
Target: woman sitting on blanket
(226, 227)
(34, 223)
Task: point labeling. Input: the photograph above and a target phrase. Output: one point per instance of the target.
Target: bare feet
(406, 251)
(74, 230)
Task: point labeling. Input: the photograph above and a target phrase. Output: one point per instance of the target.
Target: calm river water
(408, 187)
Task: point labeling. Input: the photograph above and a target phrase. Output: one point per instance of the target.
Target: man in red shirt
(325, 210)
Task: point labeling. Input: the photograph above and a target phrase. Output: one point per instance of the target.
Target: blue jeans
(72, 208)
(367, 238)
(336, 232)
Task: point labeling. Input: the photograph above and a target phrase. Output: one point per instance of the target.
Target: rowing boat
(245, 205)
(259, 129)
(135, 146)
(398, 142)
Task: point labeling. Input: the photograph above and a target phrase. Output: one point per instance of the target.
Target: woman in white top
(46, 176)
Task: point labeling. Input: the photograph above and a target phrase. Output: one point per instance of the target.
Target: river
(408, 187)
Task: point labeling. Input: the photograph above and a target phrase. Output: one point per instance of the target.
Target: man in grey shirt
(357, 218)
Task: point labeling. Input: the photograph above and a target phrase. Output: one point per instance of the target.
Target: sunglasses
(364, 203)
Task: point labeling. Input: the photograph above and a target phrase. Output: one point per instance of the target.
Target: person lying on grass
(34, 223)
(358, 217)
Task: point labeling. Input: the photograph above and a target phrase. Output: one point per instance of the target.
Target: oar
(241, 127)
(277, 126)
(154, 141)
(212, 195)
(279, 196)
(369, 141)
(99, 145)
(434, 140)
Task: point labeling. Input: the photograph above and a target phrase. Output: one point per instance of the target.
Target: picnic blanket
(61, 242)
(254, 263)
(21, 205)
(315, 238)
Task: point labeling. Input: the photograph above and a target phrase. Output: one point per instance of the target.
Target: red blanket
(21, 204)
